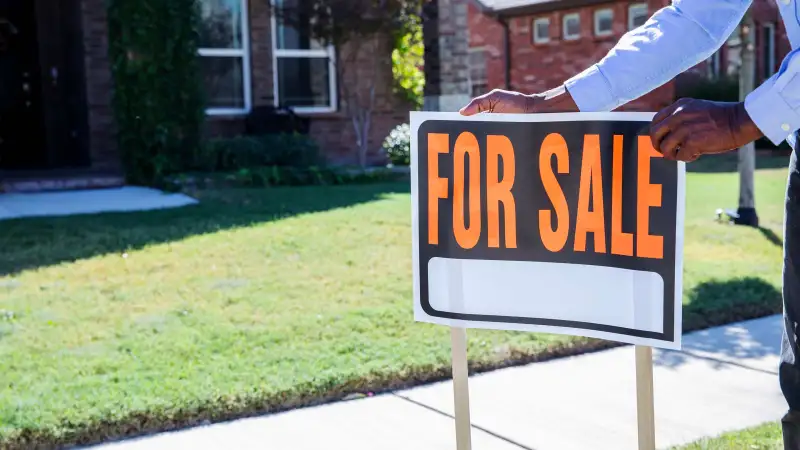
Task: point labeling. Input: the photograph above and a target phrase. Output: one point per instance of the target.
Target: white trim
(567, 17)
(221, 52)
(301, 53)
(714, 65)
(244, 54)
(597, 16)
(634, 10)
(770, 50)
(536, 39)
(322, 53)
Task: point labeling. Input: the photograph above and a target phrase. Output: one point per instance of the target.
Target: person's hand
(501, 101)
(690, 128)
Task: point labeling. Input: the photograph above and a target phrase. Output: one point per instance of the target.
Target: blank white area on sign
(572, 292)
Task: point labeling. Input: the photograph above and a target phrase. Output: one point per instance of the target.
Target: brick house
(534, 45)
(56, 120)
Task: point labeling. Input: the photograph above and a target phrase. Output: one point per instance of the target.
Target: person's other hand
(501, 101)
(690, 128)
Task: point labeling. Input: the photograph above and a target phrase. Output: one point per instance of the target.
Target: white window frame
(244, 54)
(310, 53)
(536, 38)
(714, 66)
(567, 17)
(634, 10)
(770, 53)
(597, 16)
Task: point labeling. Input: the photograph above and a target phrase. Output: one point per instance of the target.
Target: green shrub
(723, 89)
(398, 145)
(158, 100)
(247, 152)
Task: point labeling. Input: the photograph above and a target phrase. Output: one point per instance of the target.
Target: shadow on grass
(720, 302)
(727, 163)
(771, 236)
(42, 242)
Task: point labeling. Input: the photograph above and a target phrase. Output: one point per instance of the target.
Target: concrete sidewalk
(90, 201)
(724, 379)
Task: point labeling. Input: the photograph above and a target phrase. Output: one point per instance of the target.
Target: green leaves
(158, 99)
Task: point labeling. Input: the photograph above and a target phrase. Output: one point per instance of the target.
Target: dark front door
(22, 136)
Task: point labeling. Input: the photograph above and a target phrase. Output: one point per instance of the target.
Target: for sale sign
(557, 223)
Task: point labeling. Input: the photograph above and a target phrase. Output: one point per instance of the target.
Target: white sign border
(419, 117)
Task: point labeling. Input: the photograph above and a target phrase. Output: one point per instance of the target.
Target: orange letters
(621, 243)
(499, 147)
(437, 187)
(467, 144)
(554, 145)
(591, 179)
(649, 195)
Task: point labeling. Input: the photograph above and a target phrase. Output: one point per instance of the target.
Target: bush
(248, 152)
(398, 145)
(723, 89)
(158, 99)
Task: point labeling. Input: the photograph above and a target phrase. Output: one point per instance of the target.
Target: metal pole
(747, 155)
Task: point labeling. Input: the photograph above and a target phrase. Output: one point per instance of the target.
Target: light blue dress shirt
(677, 38)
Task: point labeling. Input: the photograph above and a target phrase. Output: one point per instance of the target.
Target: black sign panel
(583, 194)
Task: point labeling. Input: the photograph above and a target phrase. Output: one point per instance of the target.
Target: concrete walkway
(66, 203)
(724, 379)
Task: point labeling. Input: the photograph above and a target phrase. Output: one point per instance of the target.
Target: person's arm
(674, 39)
(774, 106)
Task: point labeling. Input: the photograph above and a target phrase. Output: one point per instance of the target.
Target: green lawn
(764, 437)
(258, 300)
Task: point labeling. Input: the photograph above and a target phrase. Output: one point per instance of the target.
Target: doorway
(22, 144)
(43, 116)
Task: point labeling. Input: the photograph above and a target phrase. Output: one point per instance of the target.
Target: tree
(360, 32)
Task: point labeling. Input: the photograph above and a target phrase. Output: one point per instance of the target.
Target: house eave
(537, 7)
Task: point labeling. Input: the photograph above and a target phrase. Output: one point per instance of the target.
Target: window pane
(542, 30)
(637, 16)
(572, 27)
(604, 21)
(304, 82)
(289, 37)
(224, 82)
(221, 25)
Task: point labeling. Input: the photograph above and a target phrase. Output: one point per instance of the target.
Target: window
(478, 79)
(768, 46)
(304, 71)
(225, 56)
(572, 27)
(603, 22)
(713, 64)
(637, 15)
(541, 30)
(733, 52)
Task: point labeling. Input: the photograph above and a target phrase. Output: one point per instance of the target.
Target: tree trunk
(747, 154)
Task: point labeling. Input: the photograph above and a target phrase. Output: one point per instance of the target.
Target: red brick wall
(487, 33)
(102, 142)
(333, 132)
(538, 67)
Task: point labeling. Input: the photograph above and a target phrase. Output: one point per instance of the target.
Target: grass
(260, 300)
(764, 437)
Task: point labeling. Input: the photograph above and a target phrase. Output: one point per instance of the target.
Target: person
(674, 39)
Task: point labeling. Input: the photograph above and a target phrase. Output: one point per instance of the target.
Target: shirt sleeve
(775, 105)
(674, 39)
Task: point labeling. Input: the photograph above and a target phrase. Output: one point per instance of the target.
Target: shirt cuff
(770, 112)
(591, 91)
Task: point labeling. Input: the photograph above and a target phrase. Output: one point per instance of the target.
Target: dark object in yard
(271, 120)
(741, 216)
